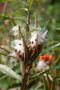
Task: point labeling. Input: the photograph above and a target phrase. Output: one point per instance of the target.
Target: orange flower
(46, 57)
(51, 57)
(42, 57)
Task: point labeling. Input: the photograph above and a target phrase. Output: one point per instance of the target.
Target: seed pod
(37, 37)
(19, 48)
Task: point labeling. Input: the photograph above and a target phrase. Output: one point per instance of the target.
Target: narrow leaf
(30, 3)
(52, 47)
(40, 74)
(9, 72)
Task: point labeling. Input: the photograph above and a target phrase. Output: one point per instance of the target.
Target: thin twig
(4, 49)
(26, 55)
(26, 60)
(28, 17)
(26, 67)
(3, 77)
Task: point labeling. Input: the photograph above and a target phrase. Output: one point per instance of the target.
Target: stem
(25, 63)
(49, 83)
(36, 21)
(13, 21)
(25, 78)
(28, 17)
(4, 49)
(26, 66)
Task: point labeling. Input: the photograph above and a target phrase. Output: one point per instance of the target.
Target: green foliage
(43, 13)
(30, 3)
(6, 70)
(3, 1)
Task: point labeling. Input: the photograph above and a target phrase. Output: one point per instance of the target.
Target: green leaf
(30, 3)
(38, 86)
(9, 72)
(58, 79)
(3, 0)
(52, 47)
(45, 83)
(34, 77)
(3, 77)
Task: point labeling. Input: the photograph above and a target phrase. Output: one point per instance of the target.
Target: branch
(4, 49)
(26, 54)
(28, 17)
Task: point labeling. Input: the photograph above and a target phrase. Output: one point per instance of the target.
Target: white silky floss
(15, 30)
(41, 36)
(37, 37)
(19, 46)
(32, 39)
(41, 65)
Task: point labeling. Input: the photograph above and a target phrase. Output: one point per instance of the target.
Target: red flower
(43, 57)
(46, 57)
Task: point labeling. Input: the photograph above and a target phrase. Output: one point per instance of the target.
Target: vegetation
(29, 44)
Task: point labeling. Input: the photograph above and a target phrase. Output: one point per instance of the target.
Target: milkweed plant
(36, 68)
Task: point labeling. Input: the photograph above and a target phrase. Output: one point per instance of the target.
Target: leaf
(45, 83)
(30, 3)
(38, 86)
(52, 47)
(34, 77)
(3, 1)
(3, 77)
(9, 72)
(58, 79)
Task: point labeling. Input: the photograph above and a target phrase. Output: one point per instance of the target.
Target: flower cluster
(44, 60)
(47, 58)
